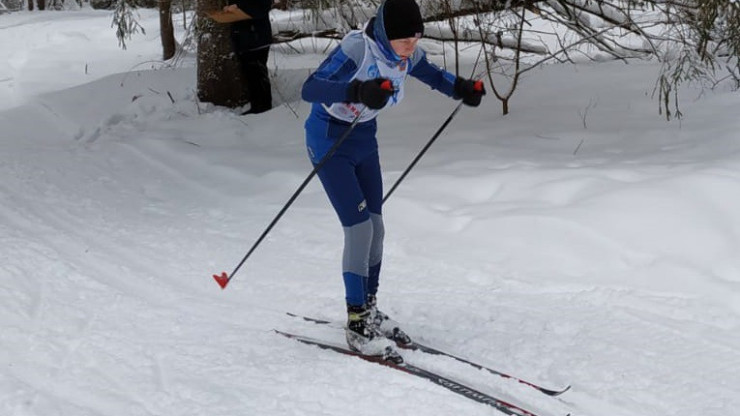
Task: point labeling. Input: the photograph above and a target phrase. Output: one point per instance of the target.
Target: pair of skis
(452, 385)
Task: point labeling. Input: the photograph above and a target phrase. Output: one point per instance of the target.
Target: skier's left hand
(470, 91)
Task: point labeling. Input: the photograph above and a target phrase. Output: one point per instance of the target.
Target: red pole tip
(222, 279)
(386, 85)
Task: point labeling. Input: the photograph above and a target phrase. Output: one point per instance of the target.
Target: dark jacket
(253, 33)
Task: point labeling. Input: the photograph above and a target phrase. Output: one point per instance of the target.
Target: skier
(362, 76)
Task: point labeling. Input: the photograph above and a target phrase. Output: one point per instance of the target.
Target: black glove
(470, 91)
(374, 93)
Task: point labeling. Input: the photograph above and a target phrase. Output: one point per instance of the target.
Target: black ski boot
(363, 337)
(385, 325)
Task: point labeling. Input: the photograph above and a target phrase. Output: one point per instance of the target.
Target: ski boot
(364, 338)
(385, 325)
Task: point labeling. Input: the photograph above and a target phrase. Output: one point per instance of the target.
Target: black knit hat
(402, 19)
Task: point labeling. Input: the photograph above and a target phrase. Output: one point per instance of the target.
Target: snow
(579, 240)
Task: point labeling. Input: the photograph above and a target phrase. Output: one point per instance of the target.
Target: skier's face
(404, 47)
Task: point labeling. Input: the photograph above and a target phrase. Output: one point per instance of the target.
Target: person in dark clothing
(251, 39)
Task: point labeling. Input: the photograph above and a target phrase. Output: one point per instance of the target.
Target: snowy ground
(580, 240)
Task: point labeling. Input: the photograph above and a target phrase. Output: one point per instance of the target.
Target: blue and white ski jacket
(362, 55)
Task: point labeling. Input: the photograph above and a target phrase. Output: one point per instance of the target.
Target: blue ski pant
(353, 182)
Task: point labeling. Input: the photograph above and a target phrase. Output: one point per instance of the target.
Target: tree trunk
(166, 29)
(41, 4)
(219, 78)
(30, 5)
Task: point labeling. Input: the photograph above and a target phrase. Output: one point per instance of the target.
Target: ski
(449, 384)
(415, 346)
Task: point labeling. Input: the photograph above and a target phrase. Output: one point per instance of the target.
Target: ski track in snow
(612, 268)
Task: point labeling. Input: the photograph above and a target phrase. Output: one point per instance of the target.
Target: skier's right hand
(374, 93)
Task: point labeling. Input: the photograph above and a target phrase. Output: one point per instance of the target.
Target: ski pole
(478, 86)
(423, 150)
(223, 279)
